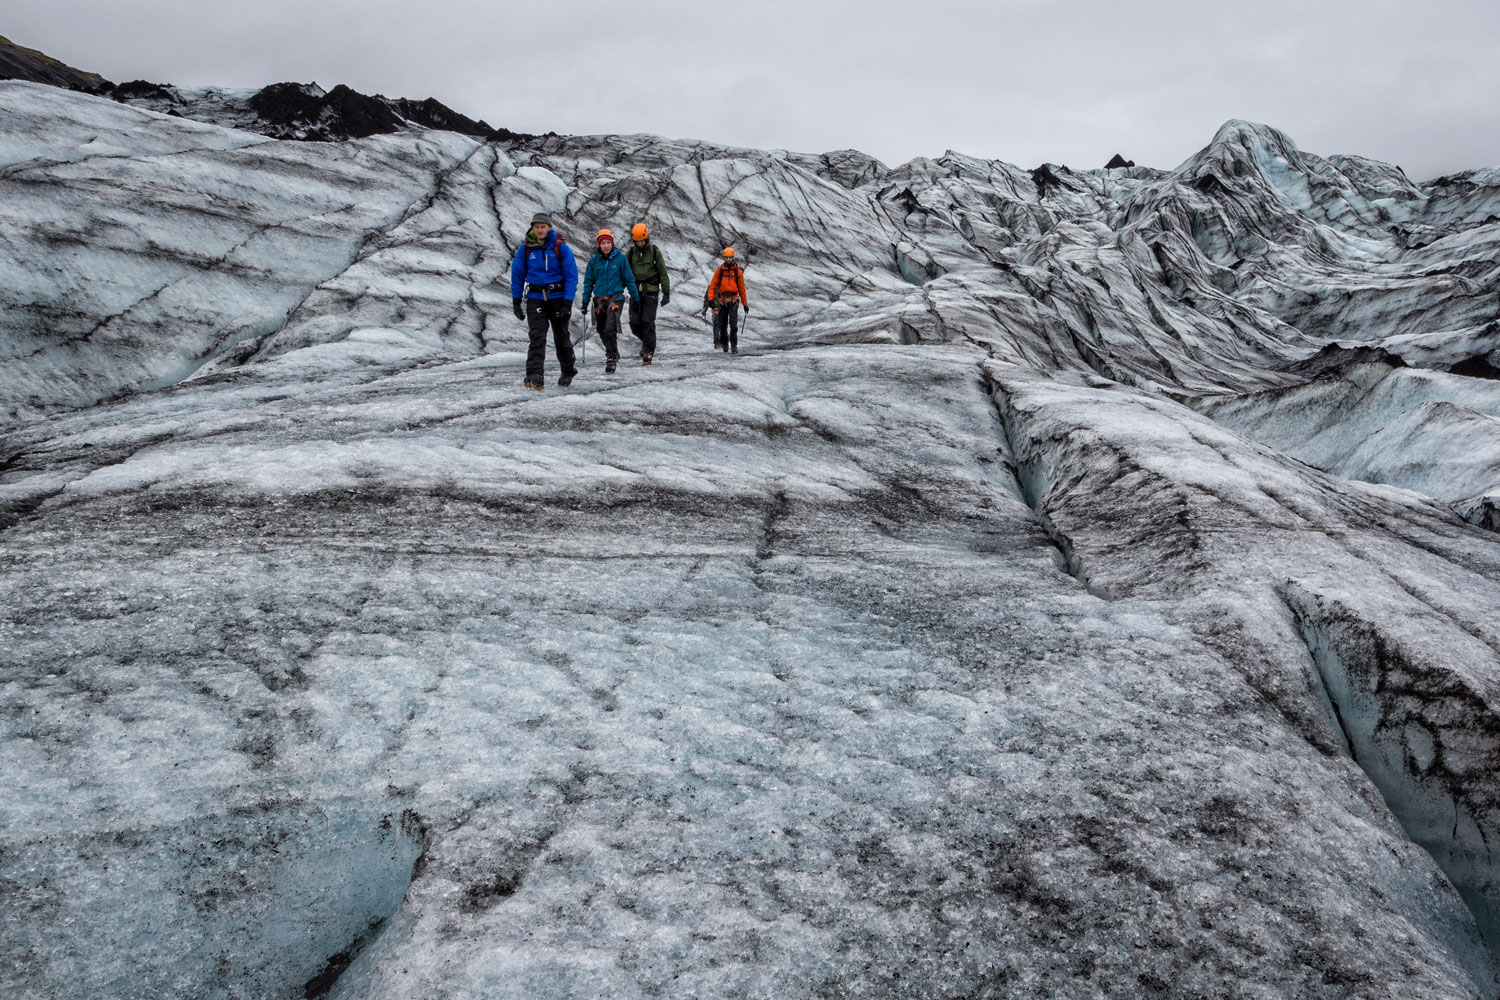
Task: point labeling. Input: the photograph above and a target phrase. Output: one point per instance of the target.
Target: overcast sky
(1025, 81)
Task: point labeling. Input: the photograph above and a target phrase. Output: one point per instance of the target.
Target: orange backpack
(728, 284)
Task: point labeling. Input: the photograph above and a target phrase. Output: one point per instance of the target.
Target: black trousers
(727, 325)
(607, 322)
(643, 321)
(539, 316)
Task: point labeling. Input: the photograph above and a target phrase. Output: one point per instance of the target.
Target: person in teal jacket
(608, 280)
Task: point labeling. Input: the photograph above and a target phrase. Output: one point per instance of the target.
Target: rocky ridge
(298, 111)
(20, 63)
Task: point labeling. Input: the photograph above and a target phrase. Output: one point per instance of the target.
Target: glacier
(1081, 585)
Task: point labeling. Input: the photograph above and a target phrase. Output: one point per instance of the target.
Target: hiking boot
(734, 350)
(565, 379)
(609, 366)
(532, 382)
(645, 359)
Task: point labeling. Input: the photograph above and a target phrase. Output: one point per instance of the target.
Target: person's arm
(627, 278)
(666, 279)
(518, 273)
(570, 271)
(743, 301)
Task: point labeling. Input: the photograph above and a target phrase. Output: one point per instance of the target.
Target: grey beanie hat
(542, 217)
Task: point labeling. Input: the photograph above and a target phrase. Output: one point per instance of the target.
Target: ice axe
(579, 338)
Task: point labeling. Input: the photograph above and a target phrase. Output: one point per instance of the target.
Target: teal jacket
(609, 277)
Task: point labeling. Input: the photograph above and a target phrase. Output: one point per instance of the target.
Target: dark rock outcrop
(19, 63)
(1479, 366)
(281, 110)
(304, 111)
(433, 114)
(1044, 177)
(141, 90)
(295, 110)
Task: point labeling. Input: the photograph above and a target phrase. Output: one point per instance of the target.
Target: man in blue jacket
(544, 270)
(609, 279)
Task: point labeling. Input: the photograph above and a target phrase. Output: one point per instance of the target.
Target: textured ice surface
(933, 647)
(1432, 432)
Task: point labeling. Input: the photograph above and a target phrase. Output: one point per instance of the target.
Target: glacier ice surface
(1012, 619)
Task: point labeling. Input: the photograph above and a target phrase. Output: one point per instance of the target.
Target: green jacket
(650, 269)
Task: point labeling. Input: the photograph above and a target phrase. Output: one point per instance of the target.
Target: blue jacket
(544, 264)
(609, 277)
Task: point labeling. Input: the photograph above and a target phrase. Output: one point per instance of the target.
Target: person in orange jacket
(726, 293)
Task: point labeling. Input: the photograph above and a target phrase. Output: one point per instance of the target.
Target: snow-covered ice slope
(1433, 432)
(933, 647)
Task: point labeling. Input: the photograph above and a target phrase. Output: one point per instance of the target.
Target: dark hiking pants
(607, 322)
(643, 321)
(727, 325)
(539, 315)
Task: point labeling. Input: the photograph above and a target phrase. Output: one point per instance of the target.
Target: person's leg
(609, 331)
(644, 311)
(734, 327)
(536, 351)
(599, 317)
(721, 326)
(636, 316)
(562, 341)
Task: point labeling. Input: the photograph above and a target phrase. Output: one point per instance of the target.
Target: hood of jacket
(547, 244)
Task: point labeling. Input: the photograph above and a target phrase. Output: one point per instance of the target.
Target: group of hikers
(545, 273)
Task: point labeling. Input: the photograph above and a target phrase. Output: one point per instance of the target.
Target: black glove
(666, 296)
(515, 305)
(747, 309)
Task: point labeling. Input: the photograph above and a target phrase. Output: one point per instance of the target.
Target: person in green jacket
(651, 278)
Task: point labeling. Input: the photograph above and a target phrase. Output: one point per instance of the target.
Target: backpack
(653, 252)
(731, 283)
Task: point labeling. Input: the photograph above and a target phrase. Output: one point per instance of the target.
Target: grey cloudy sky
(1414, 83)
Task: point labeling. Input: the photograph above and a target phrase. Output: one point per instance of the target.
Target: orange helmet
(729, 252)
(640, 231)
(604, 234)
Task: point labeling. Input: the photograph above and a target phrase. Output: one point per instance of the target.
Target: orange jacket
(728, 285)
